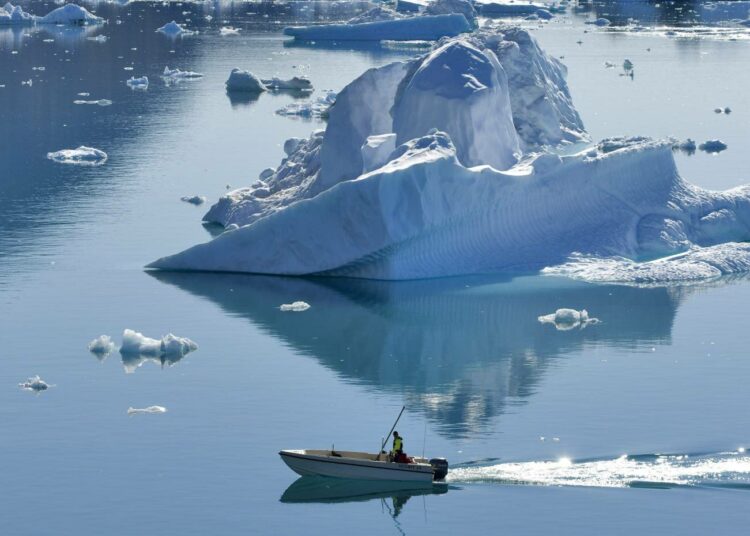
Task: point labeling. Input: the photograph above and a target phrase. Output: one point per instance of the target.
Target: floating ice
(98, 39)
(82, 156)
(712, 146)
(100, 102)
(601, 21)
(102, 346)
(687, 146)
(567, 319)
(34, 384)
(178, 75)
(150, 409)
(430, 27)
(509, 7)
(173, 29)
(313, 108)
(376, 14)
(297, 83)
(15, 15)
(194, 199)
(228, 30)
(296, 307)
(70, 14)
(138, 83)
(169, 346)
(627, 65)
(244, 81)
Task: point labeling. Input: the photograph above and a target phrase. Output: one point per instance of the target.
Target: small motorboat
(363, 466)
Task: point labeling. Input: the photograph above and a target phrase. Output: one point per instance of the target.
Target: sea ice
(297, 307)
(567, 319)
(177, 74)
(296, 83)
(244, 81)
(509, 7)
(70, 14)
(102, 346)
(194, 199)
(150, 409)
(712, 146)
(137, 83)
(82, 156)
(427, 27)
(34, 384)
(173, 29)
(15, 15)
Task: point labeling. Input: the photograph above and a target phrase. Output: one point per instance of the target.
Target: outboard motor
(439, 468)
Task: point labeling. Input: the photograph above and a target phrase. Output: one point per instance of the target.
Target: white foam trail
(730, 469)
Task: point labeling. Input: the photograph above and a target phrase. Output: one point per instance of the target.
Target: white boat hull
(354, 466)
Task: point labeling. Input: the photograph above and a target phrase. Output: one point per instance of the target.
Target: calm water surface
(535, 420)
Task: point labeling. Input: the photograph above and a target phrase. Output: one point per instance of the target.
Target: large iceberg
(15, 15)
(437, 167)
(71, 14)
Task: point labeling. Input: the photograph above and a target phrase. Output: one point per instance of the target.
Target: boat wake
(722, 469)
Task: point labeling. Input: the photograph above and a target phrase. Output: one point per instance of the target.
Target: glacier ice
(70, 14)
(102, 346)
(150, 409)
(567, 319)
(15, 15)
(34, 383)
(384, 194)
(428, 27)
(314, 108)
(297, 307)
(244, 81)
(169, 346)
(82, 156)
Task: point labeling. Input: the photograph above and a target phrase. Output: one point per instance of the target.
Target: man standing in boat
(397, 453)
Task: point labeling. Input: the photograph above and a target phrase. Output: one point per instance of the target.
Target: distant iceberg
(472, 183)
(70, 14)
(174, 29)
(15, 15)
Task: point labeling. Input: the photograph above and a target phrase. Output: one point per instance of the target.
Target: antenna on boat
(392, 428)
(424, 437)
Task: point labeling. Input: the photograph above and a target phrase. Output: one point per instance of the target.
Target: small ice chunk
(244, 81)
(296, 83)
(177, 74)
(100, 102)
(296, 307)
(138, 83)
(712, 146)
(266, 173)
(173, 346)
(291, 145)
(102, 346)
(135, 343)
(150, 409)
(318, 107)
(601, 21)
(627, 65)
(174, 29)
(567, 319)
(727, 110)
(609, 65)
(98, 39)
(82, 156)
(34, 384)
(194, 199)
(688, 146)
(718, 110)
(228, 30)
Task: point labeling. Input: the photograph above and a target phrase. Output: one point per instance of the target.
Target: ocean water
(635, 424)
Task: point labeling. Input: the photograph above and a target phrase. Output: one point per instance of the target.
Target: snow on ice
(82, 156)
(173, 29)
(297, 307)
(70, 14)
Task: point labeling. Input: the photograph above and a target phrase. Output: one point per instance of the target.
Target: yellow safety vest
(398, 444)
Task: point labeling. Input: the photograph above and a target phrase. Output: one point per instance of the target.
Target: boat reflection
(459, 350)
(318, 489)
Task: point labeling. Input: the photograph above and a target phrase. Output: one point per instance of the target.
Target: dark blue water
(506, 399)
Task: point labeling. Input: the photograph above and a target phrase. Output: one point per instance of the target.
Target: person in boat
(397, 453)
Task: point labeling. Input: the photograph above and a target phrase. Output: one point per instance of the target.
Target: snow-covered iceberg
(383, 194)
(431, 27)
(70, 14)
(15, 15)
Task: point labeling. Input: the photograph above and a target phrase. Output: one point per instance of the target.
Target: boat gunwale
(403, 467)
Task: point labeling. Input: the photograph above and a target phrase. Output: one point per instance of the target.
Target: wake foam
(723, 469)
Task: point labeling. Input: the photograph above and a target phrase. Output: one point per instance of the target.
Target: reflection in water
(318, 489)
(457, 349)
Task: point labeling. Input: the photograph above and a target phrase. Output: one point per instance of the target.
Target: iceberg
(35, 384)
(244, 81)
(173, 29)
(175, 75)
(193, 199)
(506, 8)
(15, 15)
(296, 83)
(70, 14)
(102, 346)
(169, 346)
(150, 409)
(713, 146)
(383, 194)
(82, 156)
(428, 27)
(297, 307)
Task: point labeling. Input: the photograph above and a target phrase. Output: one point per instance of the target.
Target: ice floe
(713, 146)
(15, 15)
(296, 83)
(35, 384)
(296, 307)
(428, 27)
(506, 8)
(194, 199)
(148, 410)
(317, 107)
(228, 30)
(174, 29)
(82, 156)
(102, 346)
(137, 83)
(567, 319)
(135, 343)
(176, 75)
(70, 14)
(244, 81)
